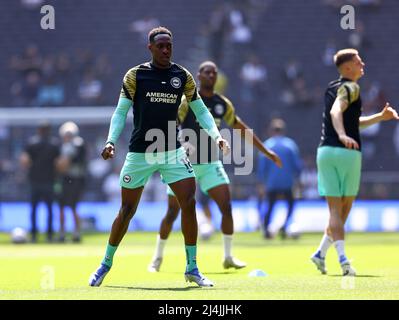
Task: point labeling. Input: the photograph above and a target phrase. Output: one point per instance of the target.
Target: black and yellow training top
(349, 91)
(156, 95)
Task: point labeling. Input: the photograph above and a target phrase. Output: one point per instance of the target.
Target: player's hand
(275, 158)
(348, 142)
(389, 113)
(108, 151)
(223, 145)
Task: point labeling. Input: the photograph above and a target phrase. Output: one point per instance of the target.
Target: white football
(19, 235)
(206, 230)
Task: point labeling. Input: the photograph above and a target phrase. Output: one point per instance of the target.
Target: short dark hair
(277, 125)
(156, 31)
(44, 128)
(344, 55)
(207, 64)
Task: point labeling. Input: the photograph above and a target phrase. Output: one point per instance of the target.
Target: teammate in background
(339, 154)
(279, 183)
(40, 157)
(206, 227)
(72, 165)
(209, 170)
(155, 89)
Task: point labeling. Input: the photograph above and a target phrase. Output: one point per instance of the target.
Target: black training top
(156, 94)
(206, 149)
(349, 91)
(43, 151)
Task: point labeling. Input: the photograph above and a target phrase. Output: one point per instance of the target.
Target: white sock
(227, 241)
(159, 247)
(325, 244)
(340, 246)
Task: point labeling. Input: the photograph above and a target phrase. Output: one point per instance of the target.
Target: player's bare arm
(387, 113)
(247, 133)
(337, 110)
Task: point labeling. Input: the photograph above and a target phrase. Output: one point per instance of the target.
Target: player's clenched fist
(223, 145)
(108, 151)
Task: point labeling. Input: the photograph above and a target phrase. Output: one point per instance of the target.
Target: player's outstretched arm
(251, 137)
(117, 125)
(387, 113)
(207, 122)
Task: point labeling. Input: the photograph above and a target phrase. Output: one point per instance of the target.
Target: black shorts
(72, 190)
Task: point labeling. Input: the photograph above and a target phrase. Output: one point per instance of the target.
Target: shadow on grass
(206, 273)
(156, 289)
(357, 276)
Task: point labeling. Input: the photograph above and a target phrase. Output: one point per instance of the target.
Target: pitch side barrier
(308, 216)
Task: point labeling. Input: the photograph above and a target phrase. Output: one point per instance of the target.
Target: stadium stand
(82, 62)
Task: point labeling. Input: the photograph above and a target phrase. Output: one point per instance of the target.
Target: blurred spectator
(328, 54)
(90, 90)
(39, 158)
(304, 95)
(373, 100)
(240, 33)
(373, 96)
(31, 60)
(72, 165)
(299, 94)
(51, 93)
(25, 93)
(84, 60)
(31, 4)
(102, 66)
(357, 38)
(217, 29)
(292, 70)
(30, 89)
(279, 182)
(253, 75)
(287, 96)
(62, 65)
(143, 26)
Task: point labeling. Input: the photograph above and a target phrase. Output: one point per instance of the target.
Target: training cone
(257, 273)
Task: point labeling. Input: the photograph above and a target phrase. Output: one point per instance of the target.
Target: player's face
(161, 51)
(208, 77)
(357, 66)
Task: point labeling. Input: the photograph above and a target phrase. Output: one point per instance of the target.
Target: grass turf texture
(28, 270)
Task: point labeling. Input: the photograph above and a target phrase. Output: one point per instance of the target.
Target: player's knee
(187, 202)
(126, 211)
(225, 209)
(172, 214)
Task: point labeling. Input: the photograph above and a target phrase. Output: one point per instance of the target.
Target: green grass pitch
(61, 271)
